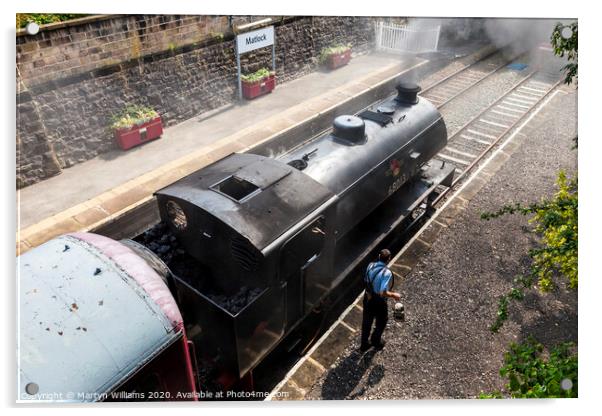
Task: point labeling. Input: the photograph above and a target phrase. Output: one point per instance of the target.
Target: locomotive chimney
(350, 128)
(407, 92)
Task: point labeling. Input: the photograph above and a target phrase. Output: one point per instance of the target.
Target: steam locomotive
(277, 235)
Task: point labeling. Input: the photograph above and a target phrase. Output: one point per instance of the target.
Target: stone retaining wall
(72, 79)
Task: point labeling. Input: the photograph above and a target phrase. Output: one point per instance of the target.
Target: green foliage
(494, 395)
(217, 36)
(502, 309)
(566, 46)
(43, 19)
(332, 50)
(533, 374)
(133, 115)
(256, 76)
(556, 222)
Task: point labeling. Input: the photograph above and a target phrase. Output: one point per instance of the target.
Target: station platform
(450, 276)
(90, 194)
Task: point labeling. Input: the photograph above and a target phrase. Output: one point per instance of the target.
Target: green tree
(556, 221)
(564, 43)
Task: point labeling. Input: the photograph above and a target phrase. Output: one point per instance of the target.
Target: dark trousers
(375, 309)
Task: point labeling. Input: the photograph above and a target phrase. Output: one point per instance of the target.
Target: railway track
(473, 141)
(452, 86)
(476, 138)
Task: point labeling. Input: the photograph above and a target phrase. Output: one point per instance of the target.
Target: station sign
(249, 41)
(256, 39)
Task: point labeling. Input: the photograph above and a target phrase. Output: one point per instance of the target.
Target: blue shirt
(379, 276)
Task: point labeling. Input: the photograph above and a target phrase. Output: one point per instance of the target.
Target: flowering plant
(133, 115)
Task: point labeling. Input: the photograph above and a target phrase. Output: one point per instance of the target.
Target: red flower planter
(141, 133)
(337, 60)
(252, 90)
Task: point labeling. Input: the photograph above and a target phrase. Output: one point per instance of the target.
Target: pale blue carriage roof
(85, 324)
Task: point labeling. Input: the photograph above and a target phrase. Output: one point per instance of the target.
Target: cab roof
(259, 197)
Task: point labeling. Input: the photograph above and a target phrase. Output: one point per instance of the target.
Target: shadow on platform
(342, 381)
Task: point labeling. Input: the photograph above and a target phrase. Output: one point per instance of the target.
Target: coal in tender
(161, 241)
(238, 301)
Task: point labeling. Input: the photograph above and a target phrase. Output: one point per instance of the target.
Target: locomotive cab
(264, 233)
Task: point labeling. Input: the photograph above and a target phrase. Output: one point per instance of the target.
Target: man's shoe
(378, 346)
(364, 348)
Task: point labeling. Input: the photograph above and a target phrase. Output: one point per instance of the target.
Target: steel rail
(463, 90)
(500, 136)
(448, 77)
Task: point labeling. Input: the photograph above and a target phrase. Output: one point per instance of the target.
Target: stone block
(354, 318)
(307, 374)
(22, 247)
(290, 391)
(413, 252)
(40, 235)
(90, 216)
(327, 353)
(430, 234)
(472, 188)
(451, 211)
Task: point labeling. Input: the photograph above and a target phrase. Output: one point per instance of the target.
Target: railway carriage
(97, 322)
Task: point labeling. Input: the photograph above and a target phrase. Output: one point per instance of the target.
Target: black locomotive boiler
(286, 230)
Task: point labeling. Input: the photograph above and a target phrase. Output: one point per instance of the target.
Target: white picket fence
(412, 38)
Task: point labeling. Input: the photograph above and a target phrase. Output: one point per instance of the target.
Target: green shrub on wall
(44, 19)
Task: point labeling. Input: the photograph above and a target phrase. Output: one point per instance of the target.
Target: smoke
(423, 22)
(516, 36)
(520, 36)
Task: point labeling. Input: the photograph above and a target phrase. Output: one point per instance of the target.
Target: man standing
(378, 281)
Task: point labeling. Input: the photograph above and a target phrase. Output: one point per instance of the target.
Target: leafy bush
(133, 115)
(566, 46)
(332, 50)
(43, 19)
(256, 76)
(533, 375)
(556, 222)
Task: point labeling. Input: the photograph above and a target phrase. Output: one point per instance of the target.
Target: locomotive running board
(391, 215)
